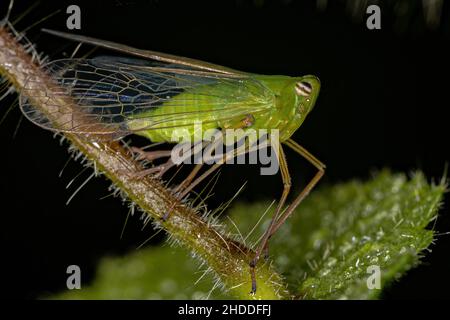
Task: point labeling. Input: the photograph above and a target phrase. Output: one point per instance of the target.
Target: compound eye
(303, 88)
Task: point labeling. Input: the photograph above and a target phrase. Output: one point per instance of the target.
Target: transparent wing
(109, 92)
(146, 54)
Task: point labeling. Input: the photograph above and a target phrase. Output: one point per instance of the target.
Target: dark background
(383, 104)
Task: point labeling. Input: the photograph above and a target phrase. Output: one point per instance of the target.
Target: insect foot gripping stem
(253, 264)
(166, 215)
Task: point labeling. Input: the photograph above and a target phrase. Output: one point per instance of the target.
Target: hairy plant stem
(227, 258)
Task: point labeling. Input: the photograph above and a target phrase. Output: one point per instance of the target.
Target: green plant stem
(227, 258)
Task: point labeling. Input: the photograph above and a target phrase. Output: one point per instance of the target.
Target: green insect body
(287, 112)
(163, 101)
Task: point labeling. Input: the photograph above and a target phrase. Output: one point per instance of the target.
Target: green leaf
(324, 250)
(151, 273)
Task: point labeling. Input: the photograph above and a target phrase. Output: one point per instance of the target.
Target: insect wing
(108, 92)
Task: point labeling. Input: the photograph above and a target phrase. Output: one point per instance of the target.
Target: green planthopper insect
(161, 96)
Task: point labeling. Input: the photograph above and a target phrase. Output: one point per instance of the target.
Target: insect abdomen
(189, 111)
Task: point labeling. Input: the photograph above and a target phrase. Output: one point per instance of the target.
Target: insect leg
(158, 170)
(206, 150)
(286, 188)
(150, 155)
(225, 158)
(321, 170)
(185, 183)
(154, 155)
(228, 156)
(191, 186)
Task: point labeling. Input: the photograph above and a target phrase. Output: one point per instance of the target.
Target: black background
(383, 104)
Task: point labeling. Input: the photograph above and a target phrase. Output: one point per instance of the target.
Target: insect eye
(303, 88)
